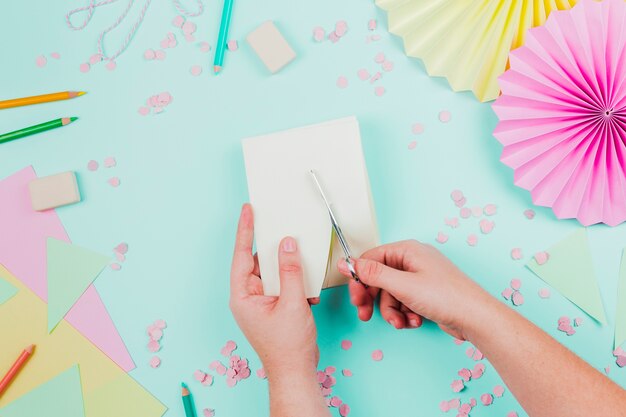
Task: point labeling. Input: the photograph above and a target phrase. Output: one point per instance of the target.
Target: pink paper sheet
(23, 235)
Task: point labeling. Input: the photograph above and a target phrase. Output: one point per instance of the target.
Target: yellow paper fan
(466, 41)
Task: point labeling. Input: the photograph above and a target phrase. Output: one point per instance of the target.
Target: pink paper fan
(563, 113)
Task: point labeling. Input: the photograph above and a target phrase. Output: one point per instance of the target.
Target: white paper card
(286, 202)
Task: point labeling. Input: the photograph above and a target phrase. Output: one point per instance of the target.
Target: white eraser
(54, 191)
(270, 45)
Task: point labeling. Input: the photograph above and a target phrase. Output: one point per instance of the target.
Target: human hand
(415, 281)
(280, 329)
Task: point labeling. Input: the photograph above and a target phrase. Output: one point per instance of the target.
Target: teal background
(183, 182)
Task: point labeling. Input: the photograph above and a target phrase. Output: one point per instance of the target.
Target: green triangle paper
(71, 269)
(569, 270)
(61, 396)
(7, 290)
(620, 314)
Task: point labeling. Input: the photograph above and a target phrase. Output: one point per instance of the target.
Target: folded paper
(23, 252)
(6, 291)
(620, 313)
(286, 202)
(562, 115)
(569, 270)
(466, 41)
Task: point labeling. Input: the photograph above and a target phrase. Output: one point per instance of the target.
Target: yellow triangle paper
(569, 270)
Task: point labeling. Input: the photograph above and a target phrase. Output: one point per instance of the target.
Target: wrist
(476, 320)
(289, 370)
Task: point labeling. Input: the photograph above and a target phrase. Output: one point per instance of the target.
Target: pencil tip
(185, 390)
(217, 69)
(80, 93)
(74, 94)
(30, 348)
(67, 120)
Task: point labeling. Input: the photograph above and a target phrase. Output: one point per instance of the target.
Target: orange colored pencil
(44, 98)
(15, 369)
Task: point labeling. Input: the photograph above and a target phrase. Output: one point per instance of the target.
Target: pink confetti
(228, 348)
(518, 298)
(387, 66)
(346, 373)
(95, 58)
(379, 91)
(541, 257)
(92, 165)
(149, 54)
(143, 110)
(55, 55)
(377, 355)
(115, 266)
(544, 293)
(111, 65)
(472, 240)
(160, 323)
(341, 28)
(154, 346)
(344, 410)
(84, 67)
(379, 58)
(486, 226)
(261, 373)
(208, 381)
(507, 293)
(371, 24)
(335, 402)
(498, 391)
(205, 47)
(412, 144)
(155, 362)
(516, 284)
(454, 403)
(178, 21)
(444, 406)
(109, 162)
(342, 82)
(516, 254)
(208, 412)
(511, 414)
(199, 376)
(363, 74)
(155, 333)
(121, 248)
(458, 342)
(486, 399)
(330, 370)
(452, 222)
(232, 45)
(466, 374)
(465, 409)
(465, 213)
(490, 209)
(456, 195)
(160, 54)
(417, 128)
(479, 368)
(114, 182)
(529, 213)
(442, 237)
(444, 116)
(478, 355)
(460, 203)
(318, 34)
(195, 70)
(189, 38)
(457, 385)
(377, 76)
(565, 326)
(189, 28)
(41, 61)
(469, 352)
(578, 321)
(346, 344)
(607, 369)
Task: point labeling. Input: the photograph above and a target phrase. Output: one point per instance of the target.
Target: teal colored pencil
(221, 39)
(190, 410)
(31, 130)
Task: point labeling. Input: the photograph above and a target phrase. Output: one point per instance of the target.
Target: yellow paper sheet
(23, 320)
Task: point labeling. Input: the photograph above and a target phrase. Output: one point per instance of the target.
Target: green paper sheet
(61, 396)
(569, 270)
(6, 291)
(105, 401)
(620, 313)
(71, 269)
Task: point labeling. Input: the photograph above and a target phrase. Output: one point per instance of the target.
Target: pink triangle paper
(23, 237)
(563, 113)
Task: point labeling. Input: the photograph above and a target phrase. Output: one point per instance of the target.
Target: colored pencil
(15, 369)
(42, 127)
(190, 410)
(44, 98)
(221, 39)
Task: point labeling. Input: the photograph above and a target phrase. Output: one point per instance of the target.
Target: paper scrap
(570, 271)
(59, 397)
(71, 270)
(6, 291)
(620, 314)
(23, 252)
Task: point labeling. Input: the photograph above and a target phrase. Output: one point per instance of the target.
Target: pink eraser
(271, 47)
(54, 191)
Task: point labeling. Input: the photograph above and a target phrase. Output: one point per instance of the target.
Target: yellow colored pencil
(44, 98)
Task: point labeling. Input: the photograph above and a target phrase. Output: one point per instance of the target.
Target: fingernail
(413, 323)
(289, 244)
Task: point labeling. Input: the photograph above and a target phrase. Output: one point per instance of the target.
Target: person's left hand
(280, 329)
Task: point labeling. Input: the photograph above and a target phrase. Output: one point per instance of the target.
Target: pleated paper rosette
(563, 113)
(466, 41)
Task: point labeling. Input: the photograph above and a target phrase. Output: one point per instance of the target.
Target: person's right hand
(416, 281)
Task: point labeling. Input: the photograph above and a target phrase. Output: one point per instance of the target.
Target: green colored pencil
(190, 410)
(42, 127)
(221, 39)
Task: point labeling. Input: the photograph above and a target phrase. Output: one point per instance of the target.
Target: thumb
(376, 274)
(290, 270)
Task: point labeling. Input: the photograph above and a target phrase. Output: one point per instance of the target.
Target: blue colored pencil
(221, 39)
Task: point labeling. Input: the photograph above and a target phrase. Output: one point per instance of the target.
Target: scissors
(340, 235)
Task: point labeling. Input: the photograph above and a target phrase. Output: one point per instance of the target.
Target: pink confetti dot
(379, 91)
(444, 116)
(154, 346)
(516, 254)
(318, 34)
(379, 58)
(387, 66)
(160, 54)
(341, 28)
(377, 355)
(363, 74)
(465, 213)
(460, 203)
(511, 414)
(444, 406)
(121, 248)
(190, 38)
(41, 61)
(155, 362)
(189, 27)
(412, 144)
(95, 58)
(498, 391)
(472, 240)
(516, 284)
(490, 209)
(232, 45)
(456, 195)
(261, 373)
(346, 372)
(115, 266)
(208, 412)
(109, 162)
(544, 293)
(518, 298)
(465, 373)
(84, 67)
(607, 369)
(542, 257)
(418, 129)
(143, 110)
(205, 47)
(55, 55)
(465, 409)
(178, 21)
(486, 226)
(342, 82)
(529, 213)
(371, 24)
(578, 321)
(454, 403)
(195, 70)
(457, 385)
(344, 410)
(442, 238)
(346, 344)
(160, 323)
(114, 182)
(486, 399)
(507, 293)
(92, 165)
(335, 402)
(452, 222)
(111, 65)
(149, 54)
